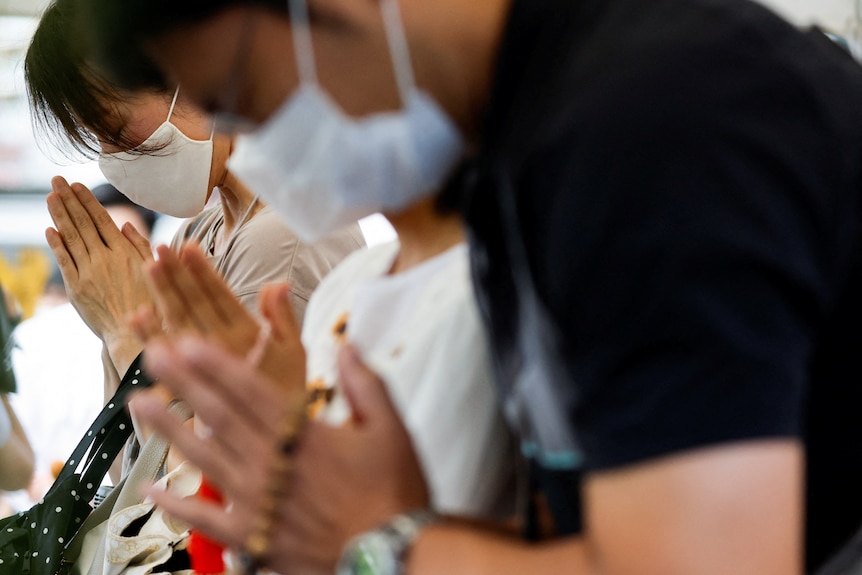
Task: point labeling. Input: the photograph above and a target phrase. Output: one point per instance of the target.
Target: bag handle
(106, 436)
(128, 491)
(150, 461)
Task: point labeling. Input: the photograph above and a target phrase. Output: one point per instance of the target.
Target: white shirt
(420, 331)
(58, 368)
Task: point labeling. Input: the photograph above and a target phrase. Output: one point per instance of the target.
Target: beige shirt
(263, 251)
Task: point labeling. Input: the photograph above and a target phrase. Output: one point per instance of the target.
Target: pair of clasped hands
(197, 339)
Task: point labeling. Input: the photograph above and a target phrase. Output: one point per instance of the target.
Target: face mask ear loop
(173, 103)
(398, 48)
(302, 44)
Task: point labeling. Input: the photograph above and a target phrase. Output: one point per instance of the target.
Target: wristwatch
(383, 551)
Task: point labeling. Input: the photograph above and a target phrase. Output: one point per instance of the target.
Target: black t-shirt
(665, 239)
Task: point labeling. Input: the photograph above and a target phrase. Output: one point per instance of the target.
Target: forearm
(112, 378)
(16, 455)
(111, 383)
(466, 550)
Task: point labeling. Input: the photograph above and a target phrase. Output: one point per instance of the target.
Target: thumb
(142, 245)
(365, 392)
(275, 308)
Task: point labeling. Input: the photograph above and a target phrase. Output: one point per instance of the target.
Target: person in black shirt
(662, 202)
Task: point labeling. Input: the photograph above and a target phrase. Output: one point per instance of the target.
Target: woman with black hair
(164, 154)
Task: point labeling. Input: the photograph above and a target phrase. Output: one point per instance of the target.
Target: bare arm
(734, 508)
(16, 455)
(730, 509)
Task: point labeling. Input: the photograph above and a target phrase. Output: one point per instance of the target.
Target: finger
(276, 308)
(365, 392)
(234, 476)
(150, 409)
(80, 218)
(61, 254)
(209, 518)
(172, 307)
(199, 306)
(224, 467)
(247, 423)
(99, 216)
(284, 355)
(68, 231)
(141, 244)
(252, 396)
(223, 309)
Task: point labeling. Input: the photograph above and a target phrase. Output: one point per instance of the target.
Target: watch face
(371, 554)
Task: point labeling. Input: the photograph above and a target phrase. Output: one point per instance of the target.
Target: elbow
(17, 471)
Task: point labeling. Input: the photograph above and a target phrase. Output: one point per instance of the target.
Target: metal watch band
(407, 526)
(384, 550)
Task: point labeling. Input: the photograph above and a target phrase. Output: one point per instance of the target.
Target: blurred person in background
(16, 453)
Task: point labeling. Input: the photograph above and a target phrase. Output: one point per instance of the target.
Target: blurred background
(25, 172)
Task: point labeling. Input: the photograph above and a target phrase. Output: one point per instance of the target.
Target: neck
(423, 233)
(235, 201)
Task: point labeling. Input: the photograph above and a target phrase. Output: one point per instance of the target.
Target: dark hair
(110, 196)
(117, 30)
(67, 94)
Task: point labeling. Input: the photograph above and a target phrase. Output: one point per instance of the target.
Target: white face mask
(322, 170)
(173, 179)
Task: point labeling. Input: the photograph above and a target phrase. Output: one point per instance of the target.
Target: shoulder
(263, 242)
(268, 227)
(319, 258)
(361, 265)
(331, 302)
(270, 239)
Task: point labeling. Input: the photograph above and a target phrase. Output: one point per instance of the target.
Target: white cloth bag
(101, 549)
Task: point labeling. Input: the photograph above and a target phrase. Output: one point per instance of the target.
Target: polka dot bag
(34, 541)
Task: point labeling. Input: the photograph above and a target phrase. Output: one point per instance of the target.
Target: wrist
(384, 550)
(122, 350)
